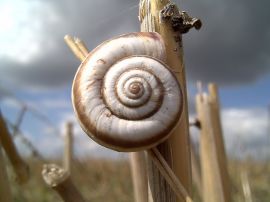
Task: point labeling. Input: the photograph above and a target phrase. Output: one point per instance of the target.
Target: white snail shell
(124, 96)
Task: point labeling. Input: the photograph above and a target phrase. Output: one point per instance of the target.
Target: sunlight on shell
(125, 97)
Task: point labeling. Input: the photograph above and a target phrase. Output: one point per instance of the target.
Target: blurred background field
(102, 180)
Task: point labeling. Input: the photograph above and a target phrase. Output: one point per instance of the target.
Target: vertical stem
(219, 142)
(216, 184)
(139, 176)
(68, 153)
(176, 150)
(211, 179)
(20, 167)
(5, 192)
(196, 176)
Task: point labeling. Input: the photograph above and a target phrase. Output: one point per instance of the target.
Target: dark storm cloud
(231, 48)
(3, 93)
(233, 45)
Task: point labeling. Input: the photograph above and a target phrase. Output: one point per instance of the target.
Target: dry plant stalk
(196, 174)
(68, 153)
(20, 167)
(139, 176)
(215, 177)
(81, 45)
(5, 191)
(219, 142)
(168, 174)
(176, 150)
(77, 46)
(212, 190)
(59, 180)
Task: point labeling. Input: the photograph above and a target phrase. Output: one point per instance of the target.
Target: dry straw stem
(139, 176)
(81, 45)
(168, 174)
(211, 176)
(68, 152)
(5, 191)
(59, 180)
(215, 177)
(77, 47)
(176, 150)
(20, 167)
(196, 174)
(219, 142)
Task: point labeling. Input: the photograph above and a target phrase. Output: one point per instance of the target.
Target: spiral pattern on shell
(124, 96)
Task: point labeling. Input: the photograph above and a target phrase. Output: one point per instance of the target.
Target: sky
(232, 49)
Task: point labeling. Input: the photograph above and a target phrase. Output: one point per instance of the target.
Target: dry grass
(106, 180)
(259, 179)
(98, 181)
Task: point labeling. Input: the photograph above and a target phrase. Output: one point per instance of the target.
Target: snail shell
(124, 96)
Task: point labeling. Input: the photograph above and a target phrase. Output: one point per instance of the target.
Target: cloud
(233, 45)
(9, 102)
(231, 48)
(245, 123)
(246, 132)
(3, 92)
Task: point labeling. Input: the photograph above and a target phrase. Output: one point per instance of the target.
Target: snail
(124, 95)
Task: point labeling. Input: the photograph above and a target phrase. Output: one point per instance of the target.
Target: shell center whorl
(131, 90)
(135, 88)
